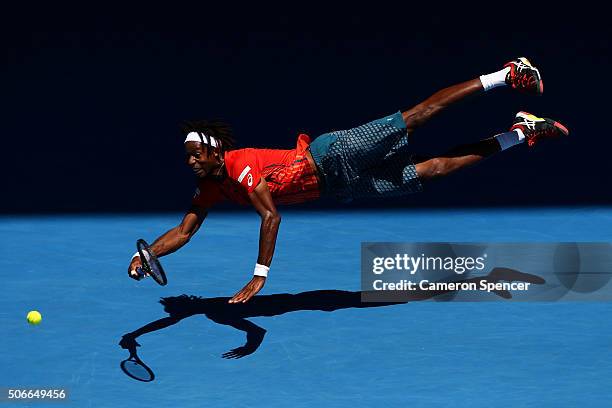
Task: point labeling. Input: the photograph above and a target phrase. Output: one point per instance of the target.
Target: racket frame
(141, 245)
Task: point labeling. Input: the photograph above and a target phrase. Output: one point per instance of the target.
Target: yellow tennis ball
(34, 317)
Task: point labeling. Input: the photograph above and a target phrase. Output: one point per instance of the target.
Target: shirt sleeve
(207, 194)
(243, 167)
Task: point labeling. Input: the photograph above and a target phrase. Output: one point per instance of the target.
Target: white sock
(509, 139)
(495, 79)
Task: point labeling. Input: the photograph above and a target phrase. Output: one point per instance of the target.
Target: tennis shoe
(536, 129)
(524, 77)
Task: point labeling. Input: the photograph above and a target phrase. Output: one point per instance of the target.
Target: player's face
(202, 164)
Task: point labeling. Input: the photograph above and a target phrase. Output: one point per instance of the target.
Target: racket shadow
(133, 366)
(219, 311)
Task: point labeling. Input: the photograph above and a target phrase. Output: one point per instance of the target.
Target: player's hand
(239, 352)
(128, 342)
(249, 290)
(132, 273)
(254, 340)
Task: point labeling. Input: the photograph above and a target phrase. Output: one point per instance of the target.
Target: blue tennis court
(74, 270)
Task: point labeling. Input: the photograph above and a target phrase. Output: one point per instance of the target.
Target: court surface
(74, 270)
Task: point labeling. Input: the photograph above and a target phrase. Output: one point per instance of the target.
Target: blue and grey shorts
(369, 161)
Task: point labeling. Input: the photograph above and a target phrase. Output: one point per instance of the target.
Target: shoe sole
(527, 115)
(559, 126)
(540, 86)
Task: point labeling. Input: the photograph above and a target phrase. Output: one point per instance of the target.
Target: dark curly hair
(221, 131)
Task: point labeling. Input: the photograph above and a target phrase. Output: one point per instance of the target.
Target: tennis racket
(150, 264)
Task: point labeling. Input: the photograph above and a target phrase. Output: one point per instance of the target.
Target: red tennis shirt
(289, 176)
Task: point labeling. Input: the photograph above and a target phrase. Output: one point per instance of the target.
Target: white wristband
(135, 255)
(261, 270)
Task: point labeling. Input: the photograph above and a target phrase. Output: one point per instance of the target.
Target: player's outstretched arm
(270, 221)
(173, 239)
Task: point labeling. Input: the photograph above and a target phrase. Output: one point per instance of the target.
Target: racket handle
(141, 273)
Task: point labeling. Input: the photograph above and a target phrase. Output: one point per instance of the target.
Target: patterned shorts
(369, 161)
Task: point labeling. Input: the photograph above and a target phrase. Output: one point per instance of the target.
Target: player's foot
(536, 129)
(524, 77)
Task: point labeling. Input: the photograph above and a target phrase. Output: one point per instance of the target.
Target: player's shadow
(220, 311)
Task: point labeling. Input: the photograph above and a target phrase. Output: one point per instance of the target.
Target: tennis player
(369, 161)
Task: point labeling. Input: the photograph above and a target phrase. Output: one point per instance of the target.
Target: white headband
(195, 137)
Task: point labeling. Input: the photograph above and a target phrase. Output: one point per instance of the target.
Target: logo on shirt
(197, 193)
(244, 173)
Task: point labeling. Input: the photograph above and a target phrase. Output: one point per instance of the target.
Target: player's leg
(527, 128)
(397, 175)
(519, 74)
(458, 158)
(424, 111)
